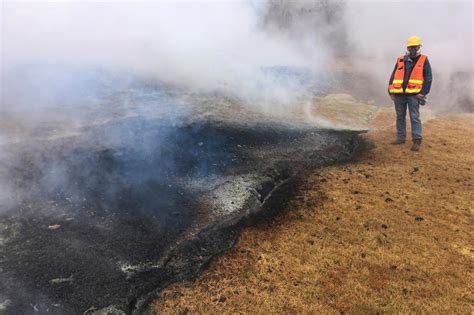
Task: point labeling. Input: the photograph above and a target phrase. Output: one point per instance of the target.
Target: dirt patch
(391, 232)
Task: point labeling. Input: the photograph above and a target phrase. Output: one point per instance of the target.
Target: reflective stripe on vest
(415, 82)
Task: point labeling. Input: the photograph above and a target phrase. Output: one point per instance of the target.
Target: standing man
(408, 86)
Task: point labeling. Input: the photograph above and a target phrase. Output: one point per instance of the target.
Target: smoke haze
(226, 46)
(206, 46)
(68, 64)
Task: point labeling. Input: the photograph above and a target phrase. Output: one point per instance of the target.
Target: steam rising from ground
(71, 63)
(229, 47)
(206, 46)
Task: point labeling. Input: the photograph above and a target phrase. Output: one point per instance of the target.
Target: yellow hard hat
(413, 41)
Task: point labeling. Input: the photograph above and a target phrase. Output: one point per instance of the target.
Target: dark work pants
(403, 101)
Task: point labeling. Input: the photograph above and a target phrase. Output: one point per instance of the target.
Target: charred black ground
(118, 188)
(106, 226)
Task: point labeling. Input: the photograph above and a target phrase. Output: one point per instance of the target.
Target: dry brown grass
(391, 232)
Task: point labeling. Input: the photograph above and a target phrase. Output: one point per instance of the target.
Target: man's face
(413, 50)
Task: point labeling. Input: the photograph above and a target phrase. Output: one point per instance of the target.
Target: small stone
(338, 218)
(311, 242)
(419, 218)
(222, 299)
(393, 267)
(355, 192)
(405, 291)
(200, 144)
(54, 226)
(362, 255)
(61, 280)
(388, 199)
(384, 226)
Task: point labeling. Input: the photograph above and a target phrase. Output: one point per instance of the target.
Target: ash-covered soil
(104, 216)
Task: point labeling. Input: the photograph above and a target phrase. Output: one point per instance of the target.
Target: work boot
(398, 141)
(416, 145)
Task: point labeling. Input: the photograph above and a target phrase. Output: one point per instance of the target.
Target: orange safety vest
(415, 82)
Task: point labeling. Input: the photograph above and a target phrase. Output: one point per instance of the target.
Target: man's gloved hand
(421, 99)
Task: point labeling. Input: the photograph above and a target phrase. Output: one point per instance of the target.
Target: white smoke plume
(77, 63)
(206, 46)
(69, 52)
(224, 45)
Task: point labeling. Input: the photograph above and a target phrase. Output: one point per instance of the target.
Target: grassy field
(391, 232)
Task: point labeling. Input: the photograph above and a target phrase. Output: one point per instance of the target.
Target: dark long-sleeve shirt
(409, 65)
